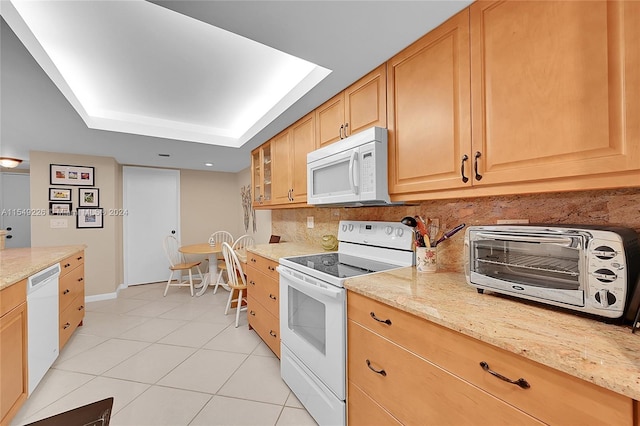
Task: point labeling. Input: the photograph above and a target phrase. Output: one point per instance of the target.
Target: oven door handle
(563, 241)
(309, 287)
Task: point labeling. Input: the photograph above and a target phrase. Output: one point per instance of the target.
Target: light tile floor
(175, 360)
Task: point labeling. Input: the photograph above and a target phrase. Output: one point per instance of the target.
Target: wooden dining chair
(217, 238)
(240, 246)
(177, 263)
(237, 280)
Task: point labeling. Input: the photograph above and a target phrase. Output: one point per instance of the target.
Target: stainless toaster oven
(590, 269)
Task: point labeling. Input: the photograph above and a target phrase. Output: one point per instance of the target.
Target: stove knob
(350, 227)
(399, 232)
(388, 230)
(344, 228)
(605, 298)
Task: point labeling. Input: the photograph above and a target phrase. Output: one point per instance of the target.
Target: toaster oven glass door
(551, 262)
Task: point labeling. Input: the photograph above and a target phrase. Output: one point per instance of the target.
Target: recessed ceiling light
(208, 164)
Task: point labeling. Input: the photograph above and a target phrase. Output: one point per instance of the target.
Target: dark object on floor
(95, 414)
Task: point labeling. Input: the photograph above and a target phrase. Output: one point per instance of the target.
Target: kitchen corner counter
(276, 251)
(607, 355)
(20, 263)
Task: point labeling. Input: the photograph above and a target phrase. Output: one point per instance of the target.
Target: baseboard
(105, 296)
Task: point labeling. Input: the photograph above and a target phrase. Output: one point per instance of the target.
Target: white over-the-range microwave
(352, 171)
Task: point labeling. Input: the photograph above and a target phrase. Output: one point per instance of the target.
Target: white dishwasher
(42, 320)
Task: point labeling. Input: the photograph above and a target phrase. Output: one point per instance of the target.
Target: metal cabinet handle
(272, 297)
(66, 265)
(341, 128)
(252, 313)
(373, 315)
(81, 307)
(380, 372)
(66, 291)
(67, 325)
(475, 165)
(464, 178)
(79, 258)
(271, 332)
(253, 259)
(252, 282)
(80, 279)
(271, 268)
(520, 382)
(346, 126)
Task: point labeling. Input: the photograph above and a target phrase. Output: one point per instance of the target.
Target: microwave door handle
(528, 239)
(352, 182)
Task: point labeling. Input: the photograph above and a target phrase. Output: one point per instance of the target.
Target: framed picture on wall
(88, 197)
(59, 194)
(60, 174)
(60, 209)
(88, 218)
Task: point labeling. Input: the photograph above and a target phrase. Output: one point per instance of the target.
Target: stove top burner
(341, 265)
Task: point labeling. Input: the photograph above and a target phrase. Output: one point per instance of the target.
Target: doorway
(15, 210)
(151, 202)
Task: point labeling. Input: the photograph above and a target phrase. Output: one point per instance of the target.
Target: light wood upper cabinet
(550, 94)
(290, 149)
(261, 186)
(429, 110)
(361, 105)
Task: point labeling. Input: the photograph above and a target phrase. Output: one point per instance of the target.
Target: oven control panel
(383, 234)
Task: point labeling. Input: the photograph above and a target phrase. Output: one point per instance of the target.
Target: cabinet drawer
(416, 391)
(461, 355)
(12, 296)
(70, 318)
(265, 289)
(266, 325)
(71, 262)
(70, 286)
(363, 410)
(264, 265)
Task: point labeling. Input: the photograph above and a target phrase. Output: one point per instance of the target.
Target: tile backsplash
(612, 207)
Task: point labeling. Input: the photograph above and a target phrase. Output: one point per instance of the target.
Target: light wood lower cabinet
(13, 350)
(71, 296)
(263, 301)
(421, 373)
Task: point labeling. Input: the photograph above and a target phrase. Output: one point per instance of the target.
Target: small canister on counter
(426, 259)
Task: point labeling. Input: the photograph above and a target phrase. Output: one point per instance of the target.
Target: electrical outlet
(310, 222)
(512, 221)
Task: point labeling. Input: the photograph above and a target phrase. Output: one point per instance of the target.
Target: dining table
(211, 251)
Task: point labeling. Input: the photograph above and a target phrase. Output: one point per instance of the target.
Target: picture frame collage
(88, 213)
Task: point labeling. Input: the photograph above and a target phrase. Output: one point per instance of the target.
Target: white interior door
(14, 206)
(151, 198)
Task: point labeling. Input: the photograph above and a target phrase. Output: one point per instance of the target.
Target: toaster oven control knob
(399, 232)
(605, 298)
(604, 252)
(388, 230)
(605, 275)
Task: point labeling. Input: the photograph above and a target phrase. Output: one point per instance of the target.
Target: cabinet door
(13, 361)
(365, 102)
(548, 89)
(261, 175)
(303, 141)
(330, 120)
(281, 172)
(429, 110)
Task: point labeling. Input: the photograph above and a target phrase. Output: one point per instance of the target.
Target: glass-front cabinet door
(261, 174)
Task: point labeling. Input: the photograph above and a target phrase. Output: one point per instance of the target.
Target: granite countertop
(607, 355)
(285, 249)
(20, 263)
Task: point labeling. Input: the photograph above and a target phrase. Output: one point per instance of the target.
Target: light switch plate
(58, 223)
(310, 223)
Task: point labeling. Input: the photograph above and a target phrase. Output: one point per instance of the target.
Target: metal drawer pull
(520, 382)
(66, 291)
(81, 307)
(79, 258)
(80, 279)
(373, 315)
(464, 178)
(67, 325)
(66, 265)
(252, 282)
(381, 372)
(271, 332)
(271, 268)
(271, 296)
(252, 313)
(475, 165)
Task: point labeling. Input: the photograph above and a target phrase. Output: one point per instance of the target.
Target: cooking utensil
(409, 221)
(449, 234)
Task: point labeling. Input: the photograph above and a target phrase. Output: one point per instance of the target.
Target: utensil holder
(426, 259)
